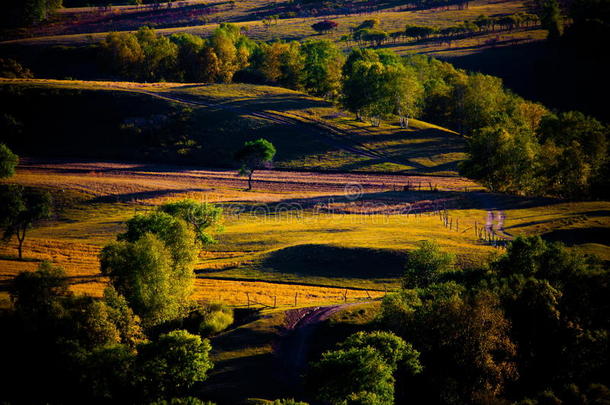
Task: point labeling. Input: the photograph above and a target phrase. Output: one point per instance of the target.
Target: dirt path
(293, 347)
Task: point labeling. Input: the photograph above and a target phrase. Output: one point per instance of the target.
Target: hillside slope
(206, 124)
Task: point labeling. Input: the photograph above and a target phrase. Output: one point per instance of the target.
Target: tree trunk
(406, 122)
(250, 180)
(20, 239)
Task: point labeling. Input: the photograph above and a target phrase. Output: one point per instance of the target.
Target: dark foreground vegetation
(529, 327)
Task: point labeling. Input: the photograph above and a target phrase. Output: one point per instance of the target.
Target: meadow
(320, 235)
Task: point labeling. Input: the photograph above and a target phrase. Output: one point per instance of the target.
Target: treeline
(528, 328)
(368, 32)
(228, 55)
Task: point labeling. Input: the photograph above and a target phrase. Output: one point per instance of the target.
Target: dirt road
(293, 346)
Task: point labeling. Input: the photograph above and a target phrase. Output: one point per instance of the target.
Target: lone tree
(8, 161)
(20, 208)
(254, 155)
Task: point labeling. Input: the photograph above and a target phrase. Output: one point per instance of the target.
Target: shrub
(215, 319)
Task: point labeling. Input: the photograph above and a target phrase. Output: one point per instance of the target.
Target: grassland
(315, 233)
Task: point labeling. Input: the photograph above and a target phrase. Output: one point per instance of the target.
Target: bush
(215, 319)
(324, 26)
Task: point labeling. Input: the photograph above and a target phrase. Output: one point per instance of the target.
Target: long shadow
(334, 261)
(143, 195)
(578, 236)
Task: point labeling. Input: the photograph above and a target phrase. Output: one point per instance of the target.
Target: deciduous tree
(20, 209)
(254, 155)
(8, 161)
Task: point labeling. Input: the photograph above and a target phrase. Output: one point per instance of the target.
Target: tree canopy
(254, 155)
(20, 209)
(8, 161)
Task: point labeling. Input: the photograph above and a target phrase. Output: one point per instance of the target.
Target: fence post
(296, 295)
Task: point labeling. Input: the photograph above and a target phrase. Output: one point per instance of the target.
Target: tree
(159, 56)
(324, 26)
(549, 14)
(463, 338)
(175, 234)
(392, 349)
(26, 12)
(8, 162)
(425, 265)
(501, 160)
(199, 216)
(122, 53)
(20, 208)
(173, 364)
(253, 155)
(232, 49)
(189, 61)
(281, 63)
(36, 294)
(341, 373)
(108, 373)
(403, 92)
(122, 316)
(322, 68)
(142, 271)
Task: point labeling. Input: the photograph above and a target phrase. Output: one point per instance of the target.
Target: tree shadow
(336, 261)
(579, 236)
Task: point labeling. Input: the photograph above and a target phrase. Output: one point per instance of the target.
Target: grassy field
(287, 236)
(315, 233)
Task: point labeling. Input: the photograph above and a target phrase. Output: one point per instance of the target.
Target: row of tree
(515, 145)
(530, 327)
(368, 31)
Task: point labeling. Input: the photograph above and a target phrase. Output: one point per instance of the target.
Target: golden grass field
(296, 231)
